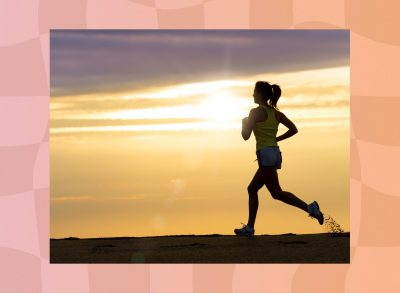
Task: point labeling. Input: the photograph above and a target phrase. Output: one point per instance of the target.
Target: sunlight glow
(191, 89)
(309, 97)
(223, 107)
(149, 127)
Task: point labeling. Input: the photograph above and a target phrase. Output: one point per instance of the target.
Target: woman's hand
(248, 124)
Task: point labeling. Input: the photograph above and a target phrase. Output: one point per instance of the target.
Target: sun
(222, 107)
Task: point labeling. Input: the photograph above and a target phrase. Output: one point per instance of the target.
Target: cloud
(94, 198)
(93, 61)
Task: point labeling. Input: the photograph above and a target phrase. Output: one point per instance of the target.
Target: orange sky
(165, 161)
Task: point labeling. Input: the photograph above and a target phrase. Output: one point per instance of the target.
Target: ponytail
(276, 90)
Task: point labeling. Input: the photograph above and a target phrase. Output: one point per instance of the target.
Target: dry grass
(331, 225)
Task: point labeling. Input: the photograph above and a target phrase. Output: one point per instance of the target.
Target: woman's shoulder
(278, 114)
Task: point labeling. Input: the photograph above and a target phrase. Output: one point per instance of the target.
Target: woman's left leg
(255, 185)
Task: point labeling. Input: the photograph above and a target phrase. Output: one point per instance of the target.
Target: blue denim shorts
(269, 157)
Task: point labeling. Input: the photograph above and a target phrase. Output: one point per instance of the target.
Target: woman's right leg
(270, 178)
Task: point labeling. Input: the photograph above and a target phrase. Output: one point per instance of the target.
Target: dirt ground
(286, 248)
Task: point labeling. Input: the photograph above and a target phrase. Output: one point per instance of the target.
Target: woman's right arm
(292, 129)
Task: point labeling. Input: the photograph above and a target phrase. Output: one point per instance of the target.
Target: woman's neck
(264, 104)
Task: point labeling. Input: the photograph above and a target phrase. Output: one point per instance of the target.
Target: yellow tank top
(265, 131)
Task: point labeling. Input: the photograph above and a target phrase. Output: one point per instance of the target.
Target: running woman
(263, 121)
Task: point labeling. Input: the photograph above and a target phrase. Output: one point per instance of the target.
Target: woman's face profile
(256, 96)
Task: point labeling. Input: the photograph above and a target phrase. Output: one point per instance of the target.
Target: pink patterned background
(24, 145)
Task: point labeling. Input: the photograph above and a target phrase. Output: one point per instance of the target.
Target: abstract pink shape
(18, 223)
(352, 132)
(19, 271)
(23, 120)
(104, 278)
(16, 168)
(315, 25)
(173, 278)
(375, 20)
(320, 277)
(212, 278)
(379, 218)
(237, 16)
(321, 11)
(42, 209)
(374, 119)
(45, 46)
(355, 214)
(355, 167)
(188, 18)
(176, 4)
(270, 14)
(63, 278)
(120, 14)
(41, 176)
(374, 269)
(18, 21)
(151, 3)
(264, 278)
(57, 14)
(374, 67)
(379, 167)
(22, 70)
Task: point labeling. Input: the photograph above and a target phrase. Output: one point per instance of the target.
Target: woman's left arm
(248, 124)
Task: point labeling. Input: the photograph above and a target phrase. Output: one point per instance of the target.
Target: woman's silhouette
(264, 121)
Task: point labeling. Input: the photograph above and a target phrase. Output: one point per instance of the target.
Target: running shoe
(314, 212)
(245, 231)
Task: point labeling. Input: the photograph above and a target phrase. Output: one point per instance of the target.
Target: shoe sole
(250, 235)
(320, 213)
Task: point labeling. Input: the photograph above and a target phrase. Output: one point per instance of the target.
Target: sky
(145, 129)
